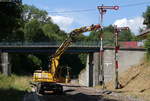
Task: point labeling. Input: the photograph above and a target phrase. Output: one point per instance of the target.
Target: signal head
(116, 7)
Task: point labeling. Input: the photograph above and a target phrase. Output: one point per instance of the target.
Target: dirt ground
(79, 93)
(135, 82)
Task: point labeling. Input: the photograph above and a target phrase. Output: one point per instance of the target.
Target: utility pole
(117, 30)
(102, 10)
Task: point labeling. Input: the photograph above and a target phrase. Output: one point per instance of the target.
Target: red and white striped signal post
(102, 9)
(117, 30)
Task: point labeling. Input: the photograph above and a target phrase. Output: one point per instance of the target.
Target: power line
(74, 11)
(135, 4)
(91, 10)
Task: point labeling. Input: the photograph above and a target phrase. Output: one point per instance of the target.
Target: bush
(13, 88)
(147, 46)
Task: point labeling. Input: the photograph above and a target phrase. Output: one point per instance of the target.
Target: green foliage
(108, 35)
(10, 21)
(93, 36)
(126, 36)
(31, 29)
(147, 46)
(33, 26)
(22, 64)
(13, 88)
(39, 27)
(146, 16)
(35, 60)
(73, 61)
(83, 58)
(31, 12)
(33, 32)
(13, 81)
(53, 32)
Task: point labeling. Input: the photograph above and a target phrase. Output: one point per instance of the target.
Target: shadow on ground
(73, 97)
(11, 95)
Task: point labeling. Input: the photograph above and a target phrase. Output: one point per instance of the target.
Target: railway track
(78, 93)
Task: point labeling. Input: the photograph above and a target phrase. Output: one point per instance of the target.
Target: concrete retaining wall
(86, 75)
(127, 59)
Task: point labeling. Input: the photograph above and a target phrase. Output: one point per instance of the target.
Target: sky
(68, 14)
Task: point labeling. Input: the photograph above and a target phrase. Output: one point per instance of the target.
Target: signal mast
(117, 30)
(102, 10)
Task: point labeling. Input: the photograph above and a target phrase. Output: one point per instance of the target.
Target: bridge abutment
(86, 77)
(127, 59)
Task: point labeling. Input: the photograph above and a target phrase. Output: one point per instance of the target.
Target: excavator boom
(55, 58)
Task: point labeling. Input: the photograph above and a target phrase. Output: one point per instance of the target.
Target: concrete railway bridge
(127, 57)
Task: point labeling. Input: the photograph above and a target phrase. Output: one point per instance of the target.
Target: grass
(13, 88)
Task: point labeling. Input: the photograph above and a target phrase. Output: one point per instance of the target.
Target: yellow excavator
(51, 80)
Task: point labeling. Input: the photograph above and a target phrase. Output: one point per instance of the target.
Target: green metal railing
(55, 43)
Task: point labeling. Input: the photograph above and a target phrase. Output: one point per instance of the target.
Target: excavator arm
(55, 58)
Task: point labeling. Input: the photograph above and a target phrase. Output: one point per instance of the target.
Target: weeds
(12, 88)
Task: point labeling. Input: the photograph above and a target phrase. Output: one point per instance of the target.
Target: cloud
(75, 20)
(134, 24)
(63, 22)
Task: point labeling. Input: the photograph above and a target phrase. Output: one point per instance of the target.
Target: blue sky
(126, 16)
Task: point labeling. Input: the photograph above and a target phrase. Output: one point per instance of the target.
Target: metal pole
(101, 66)
(116, 32)
(117, 85)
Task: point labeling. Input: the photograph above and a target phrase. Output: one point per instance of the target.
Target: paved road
(78, 93)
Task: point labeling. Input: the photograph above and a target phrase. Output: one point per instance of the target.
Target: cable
(90, 10)
(74, 11)
(135, 4)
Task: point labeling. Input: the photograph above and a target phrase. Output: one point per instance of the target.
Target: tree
(53, 32)
(39, 26)
(33, 32)
(147, 46)
(146, 16)
(10, 21)
(31, 12)
(126, 36)
(107, 35)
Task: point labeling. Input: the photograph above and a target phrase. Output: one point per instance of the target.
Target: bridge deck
(25, 48)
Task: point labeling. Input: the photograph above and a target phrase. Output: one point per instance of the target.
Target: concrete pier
(86, 77)
(5, 65)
